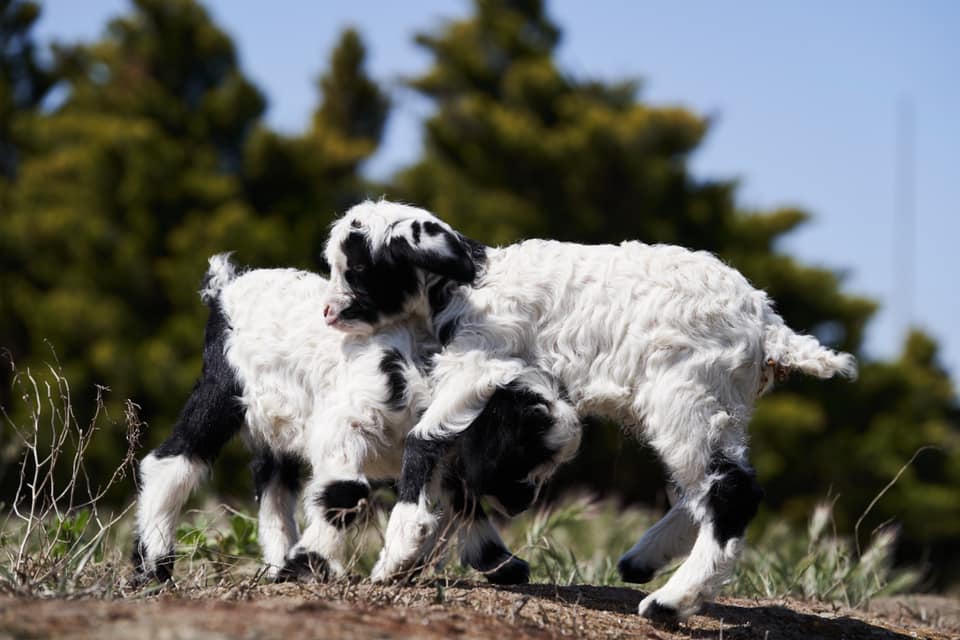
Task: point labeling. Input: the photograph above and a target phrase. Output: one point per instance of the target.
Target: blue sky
(804, 99)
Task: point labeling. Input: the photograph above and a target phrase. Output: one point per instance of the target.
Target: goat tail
(220, 273)
(787, 350)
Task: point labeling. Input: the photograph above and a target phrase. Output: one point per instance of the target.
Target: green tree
(23, 81)
(155, 160)
(128, 185)
(519, 148)
(308, 179)
(23, 85)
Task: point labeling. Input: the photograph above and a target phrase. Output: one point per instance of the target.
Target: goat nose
(326, 311)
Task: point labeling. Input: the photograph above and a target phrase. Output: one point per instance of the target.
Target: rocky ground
(461, 610)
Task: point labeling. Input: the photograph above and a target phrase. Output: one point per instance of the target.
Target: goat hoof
(511, 571)
(304, 566)
(659, 613)
(635, 572)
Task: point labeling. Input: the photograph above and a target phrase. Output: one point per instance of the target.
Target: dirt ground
(463, 610)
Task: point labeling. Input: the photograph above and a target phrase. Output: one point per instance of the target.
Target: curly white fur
(673, 344)
(306, 391)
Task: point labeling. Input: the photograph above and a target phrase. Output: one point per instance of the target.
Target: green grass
(59, 539)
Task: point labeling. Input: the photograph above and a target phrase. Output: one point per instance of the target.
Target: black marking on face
(378, 287)
(416, 232)
(392, 365)
(733, 498)
(341, 501)
(212, 414)
(459, 260)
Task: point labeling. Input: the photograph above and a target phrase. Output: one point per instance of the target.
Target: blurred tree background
(156, 156)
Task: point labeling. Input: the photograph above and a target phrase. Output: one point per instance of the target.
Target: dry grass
(57, 536)
(59, 542)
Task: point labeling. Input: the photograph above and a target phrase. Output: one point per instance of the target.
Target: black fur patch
(380, 285)
(340, 501)
(392, 365)
(439, 295)
(631, 571)
(322, 265)
(497, 452)
(161, 573)
(499, 566)
(212, 414)
(456, 263)
(305, 565)
(420, 458)
(661, 614)
(446, 331)
(733, 499)
(287, 469)
(493, 559)
(377, 287)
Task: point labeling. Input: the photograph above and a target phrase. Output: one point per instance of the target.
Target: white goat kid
(671, 343)
(298, 392)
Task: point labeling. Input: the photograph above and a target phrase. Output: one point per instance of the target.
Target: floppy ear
(434, 247)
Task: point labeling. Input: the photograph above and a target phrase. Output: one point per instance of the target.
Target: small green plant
(65, 533)
(201, 540)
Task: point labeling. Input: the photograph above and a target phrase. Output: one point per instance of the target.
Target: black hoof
(162, 571)
(512, 570)
(635, 573)
(305, 566)
(661, 614)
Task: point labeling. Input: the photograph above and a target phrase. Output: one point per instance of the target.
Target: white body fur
(671, 343)
(308, 391)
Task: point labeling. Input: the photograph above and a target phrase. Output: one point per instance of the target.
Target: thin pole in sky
(904, 238)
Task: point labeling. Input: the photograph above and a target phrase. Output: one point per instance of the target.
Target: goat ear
(434, 247)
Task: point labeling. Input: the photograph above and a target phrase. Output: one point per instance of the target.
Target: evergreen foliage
(157, 157)
(519, 148)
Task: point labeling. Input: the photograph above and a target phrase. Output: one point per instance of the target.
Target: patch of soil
(459, 610)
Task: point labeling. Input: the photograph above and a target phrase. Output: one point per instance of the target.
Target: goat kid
(673, 344)
(299, 392)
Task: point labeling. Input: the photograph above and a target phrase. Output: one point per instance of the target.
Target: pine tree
(156, 160)
(128, 186)
(23, 85)
(519, 148)
(23, 82)
(308, 179)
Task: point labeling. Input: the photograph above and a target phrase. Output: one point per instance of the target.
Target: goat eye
(358, 268)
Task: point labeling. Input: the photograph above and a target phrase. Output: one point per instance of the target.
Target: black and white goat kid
(305, 396)
(671, 343)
